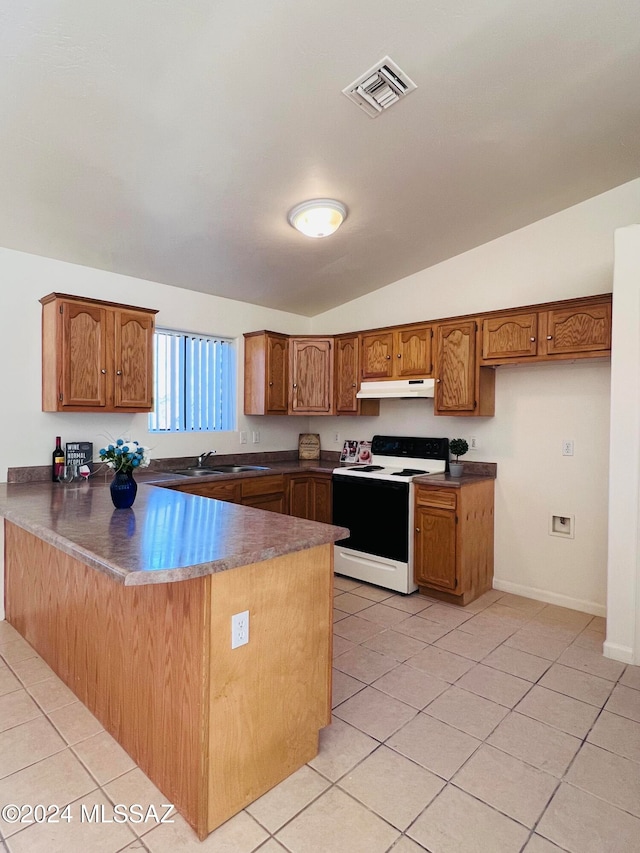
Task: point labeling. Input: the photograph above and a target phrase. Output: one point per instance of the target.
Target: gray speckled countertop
(166, 536)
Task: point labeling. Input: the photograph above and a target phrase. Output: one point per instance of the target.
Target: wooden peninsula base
(213, 727)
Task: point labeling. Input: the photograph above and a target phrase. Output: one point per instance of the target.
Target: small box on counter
(79, 453)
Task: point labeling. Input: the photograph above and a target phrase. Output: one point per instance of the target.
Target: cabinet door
(322, 509)
(84, 355)
(300, 496)
(272, 503)
(435, 548)
(311, 375)
(455, 388)
(133, 360)
(227, 491)
(586, 329)
(510, 337)
(346, 368)
(376, 355)
(276, 375)
(413, 352)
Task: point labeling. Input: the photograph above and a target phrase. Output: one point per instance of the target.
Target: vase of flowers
(124, 456)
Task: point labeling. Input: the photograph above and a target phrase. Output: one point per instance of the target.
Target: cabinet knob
(271, 383)
(549, 337)
(388, 357)
(399, 355)
(118, 373)
(353, 385)
(532, 340)
(417, 530)
(438, 380)
(103, 370)
(294, 385)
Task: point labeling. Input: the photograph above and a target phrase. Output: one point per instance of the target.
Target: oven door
(376, 513)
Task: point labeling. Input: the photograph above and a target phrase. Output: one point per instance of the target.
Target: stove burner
(409, 472)
(367, 468)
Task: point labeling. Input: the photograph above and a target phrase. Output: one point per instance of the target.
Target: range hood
(396, 388)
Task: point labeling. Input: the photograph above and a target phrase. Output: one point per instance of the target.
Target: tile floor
(493, 729)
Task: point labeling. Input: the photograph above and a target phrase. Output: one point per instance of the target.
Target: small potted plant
(458, 447)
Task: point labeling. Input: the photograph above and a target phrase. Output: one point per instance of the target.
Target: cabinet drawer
(445, 498)
(227, 491)
(262, 485)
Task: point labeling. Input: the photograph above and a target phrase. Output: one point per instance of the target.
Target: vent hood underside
(397, 388)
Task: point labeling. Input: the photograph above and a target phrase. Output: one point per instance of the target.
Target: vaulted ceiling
(167, 140)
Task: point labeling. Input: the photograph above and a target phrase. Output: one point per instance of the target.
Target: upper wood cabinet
(577, 329)
(402, 353)
(96, 356)
(462, 386)
(266, 370)
(346, 378)
(311, 375)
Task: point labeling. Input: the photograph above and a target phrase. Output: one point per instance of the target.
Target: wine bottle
(57, 466)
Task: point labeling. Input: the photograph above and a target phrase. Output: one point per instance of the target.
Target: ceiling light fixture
(318, 217)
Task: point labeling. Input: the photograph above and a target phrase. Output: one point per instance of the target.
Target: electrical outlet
(256, 436)
(239, 629)
(336, 437)
(567, 447)
(474, 444)
(243, 437)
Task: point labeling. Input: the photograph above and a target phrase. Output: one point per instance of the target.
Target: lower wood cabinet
(310, 496)
(265, 493)
(227, 490)
(453, 544)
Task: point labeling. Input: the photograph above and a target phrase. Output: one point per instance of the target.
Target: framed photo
(364, 452)
(349, 451)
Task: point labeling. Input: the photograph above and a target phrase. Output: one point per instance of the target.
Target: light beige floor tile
(343, 583)
(467, 645)
(75, 722)
(608, 776)
(592, 662)
(466, 711)
(598, 623)
(440, 664)
(15, 708)
(536, 643)
(356, 630)
(448, 616)
(422, 629)
(581, 823)
(487, 626)
(375, 713)
(339, 615)
(384, 615)
(364, 664)
(32, 670)
(536, 743)
(592, 640)
(617, 734)
(406, 845)
(526, 605)
(271, 846)
(59, 779)
(15, 651)
(344, 686)
(508, 615)
(411, 686)
(240, 834)
(414, 603)
(27, 744)
(8, 681)
(580, 685)
(392, 786)
(76, 835)
(434, 745)
(340, 645)
(283, 802)
(336, 823)
(554, 615)
(631, 677)
(507, 783)
(517, 663)
(538, 844)
(483, 601)
(562, 712)
(341, 747)
(625, 701)
(7, 633)
(395, 645)
(103, 756)
(495, 685)
(374, 593)
(136, 787)
(51, 694)
(351, 603)
(458, 823)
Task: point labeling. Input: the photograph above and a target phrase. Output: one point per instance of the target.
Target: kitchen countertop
(166, 536)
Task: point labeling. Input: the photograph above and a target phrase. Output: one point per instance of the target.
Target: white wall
(566, 255)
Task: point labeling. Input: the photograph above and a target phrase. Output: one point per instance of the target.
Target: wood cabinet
(402, 353)
(346, 378)
(453, 544)
(96, 356)
(311, 376)
(266, 370)
(265, 493)
(573, 329)
(310, 496)
(227, 490)
(463, 387)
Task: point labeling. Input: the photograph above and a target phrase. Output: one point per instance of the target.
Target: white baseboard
(550, 597)
(617, 652)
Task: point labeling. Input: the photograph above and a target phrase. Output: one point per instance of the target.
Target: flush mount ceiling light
(318, 217)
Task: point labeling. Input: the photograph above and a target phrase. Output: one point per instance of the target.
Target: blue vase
(123, 490)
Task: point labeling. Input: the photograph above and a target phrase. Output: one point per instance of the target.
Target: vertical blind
(194, 383)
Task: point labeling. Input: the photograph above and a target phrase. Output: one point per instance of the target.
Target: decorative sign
(364, 452)
(349, 451)
(309, 445)
(79, 453)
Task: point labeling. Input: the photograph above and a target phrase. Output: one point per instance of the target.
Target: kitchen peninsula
(132, 609)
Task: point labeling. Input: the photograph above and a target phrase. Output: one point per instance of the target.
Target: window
(194, 383)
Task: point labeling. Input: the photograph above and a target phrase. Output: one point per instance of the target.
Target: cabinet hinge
(61, 309)
(60, 397)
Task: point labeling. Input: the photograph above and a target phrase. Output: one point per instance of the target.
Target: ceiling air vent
(379, 88)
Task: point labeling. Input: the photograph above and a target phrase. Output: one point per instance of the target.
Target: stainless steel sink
(220, 469)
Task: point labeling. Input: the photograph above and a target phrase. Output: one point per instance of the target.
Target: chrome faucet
(204, 456)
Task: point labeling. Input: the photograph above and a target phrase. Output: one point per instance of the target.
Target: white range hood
(396, 388)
